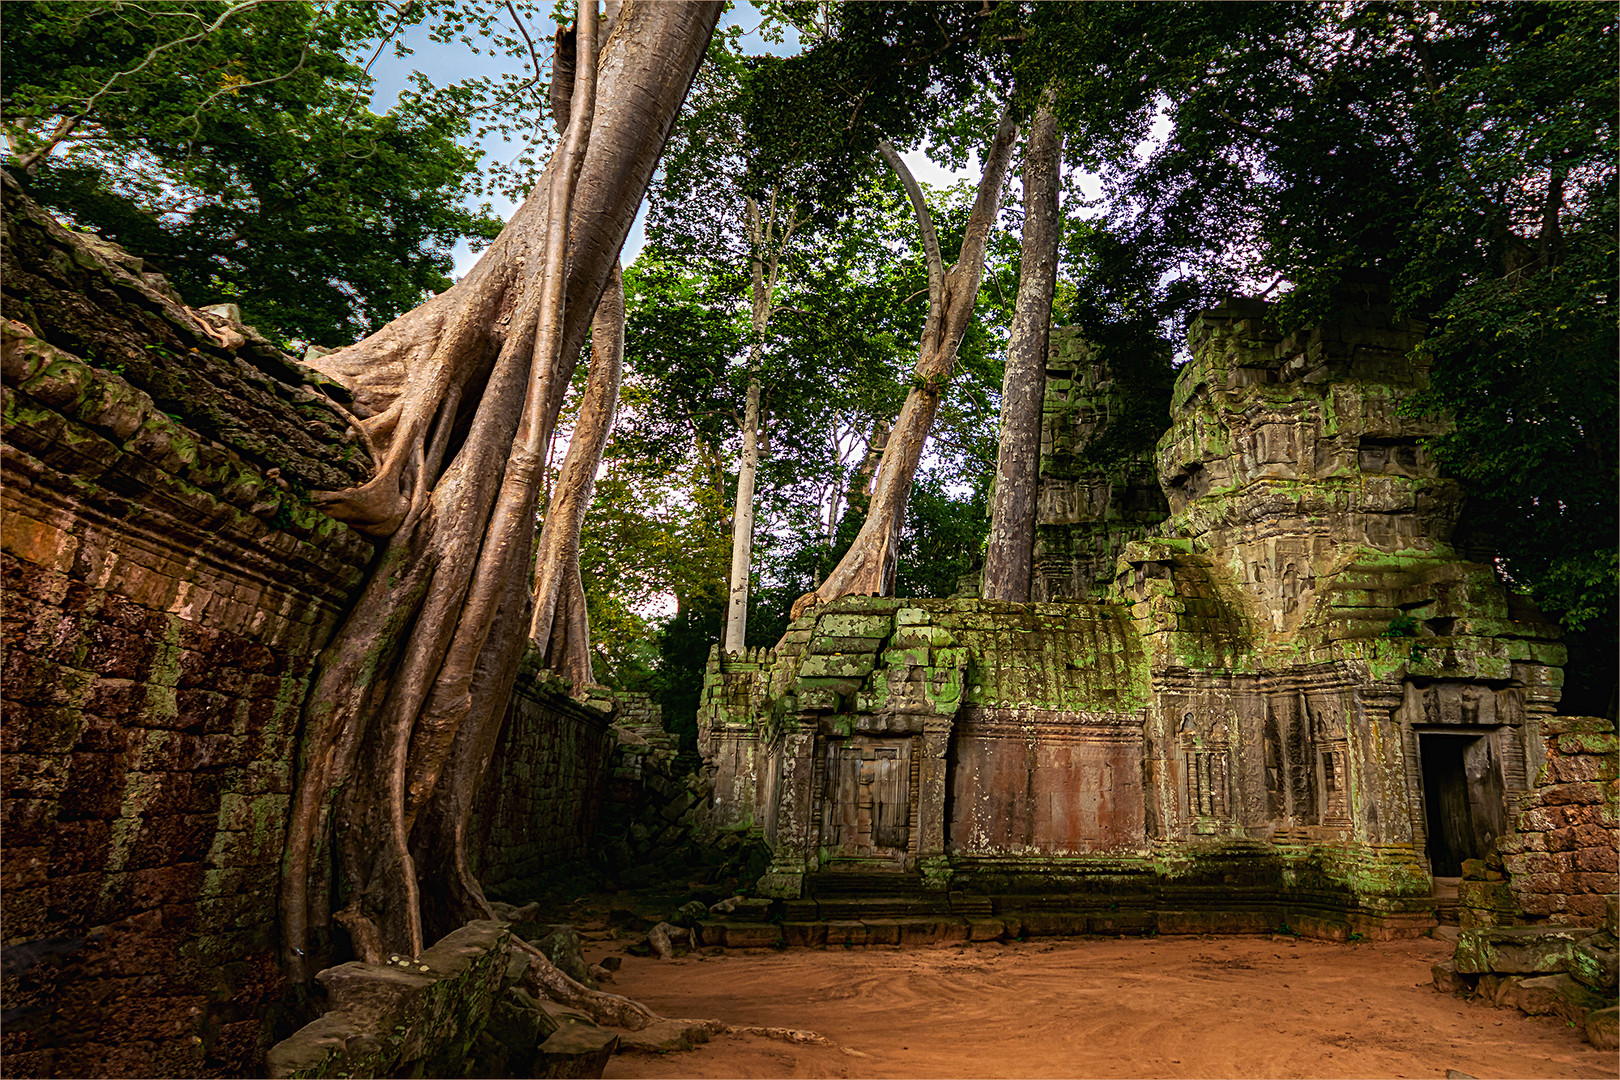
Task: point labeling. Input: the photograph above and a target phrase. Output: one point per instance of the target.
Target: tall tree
(460, 396)
(1009, 559)
(869, 565)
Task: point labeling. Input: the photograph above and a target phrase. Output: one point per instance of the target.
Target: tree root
(544, 979)
(781, 1034)
(614, 1010)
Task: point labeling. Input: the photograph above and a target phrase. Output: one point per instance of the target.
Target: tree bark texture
(869, 565)
(1009, 559)
(404, 713)
(560, 628)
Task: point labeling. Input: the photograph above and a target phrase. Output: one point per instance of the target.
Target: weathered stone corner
(417, 1016)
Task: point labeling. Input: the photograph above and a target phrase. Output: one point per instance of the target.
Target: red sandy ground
(1161, 1007)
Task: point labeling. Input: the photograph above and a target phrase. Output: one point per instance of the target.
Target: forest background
(1463, 154)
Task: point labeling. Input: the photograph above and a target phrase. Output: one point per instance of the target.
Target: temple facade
(1266, 692)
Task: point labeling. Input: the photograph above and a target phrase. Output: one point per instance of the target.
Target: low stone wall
(540, 804)
(166, 590)
(1558, 863)
(418, 1016)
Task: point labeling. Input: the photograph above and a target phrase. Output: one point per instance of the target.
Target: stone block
(1485, 895)
(1593, 962)
(882, 931)
(805, 935)
(749, 935)
(1524, 950)
(986, 929)
(1123, 923)
(382, 1019)
(1551, 995)
(576, 1049)
(931, 931)
(755, 909)
(1603, 1028)
(873, 626)
(1446, 979)
(838, 666)
(1054, 923)
(846, 933)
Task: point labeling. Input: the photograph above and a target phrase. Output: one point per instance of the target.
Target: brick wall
(541, 799)
(1559, 862)
(166, 589)
(158, 648)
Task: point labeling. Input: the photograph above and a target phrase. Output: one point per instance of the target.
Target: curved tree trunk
(1009, 558)
(404, 712)
(868, 567)
(560, 628)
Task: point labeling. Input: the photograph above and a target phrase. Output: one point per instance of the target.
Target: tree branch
(28, 161)
(925, 223)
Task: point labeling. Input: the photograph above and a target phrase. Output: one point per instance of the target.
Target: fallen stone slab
(1593, 962)
(1446, 979)
(1551, 995)
(420, 1015)
(1603, 1028)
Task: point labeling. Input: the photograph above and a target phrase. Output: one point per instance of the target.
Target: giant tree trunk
(560, 628)
(1008, 562)
(403, 716)
(869, 565)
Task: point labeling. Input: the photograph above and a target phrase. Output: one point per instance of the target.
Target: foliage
(1526, 367)
(1464, 155)
(232, 146)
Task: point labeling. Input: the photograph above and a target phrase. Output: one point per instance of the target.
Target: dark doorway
(1463, 798)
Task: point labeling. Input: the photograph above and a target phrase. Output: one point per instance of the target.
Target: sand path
(1159, 1007)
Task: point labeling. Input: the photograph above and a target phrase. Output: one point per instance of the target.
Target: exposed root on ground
(544, 979)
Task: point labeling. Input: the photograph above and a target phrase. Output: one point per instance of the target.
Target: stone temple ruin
(1274, 695)
(1258, 688)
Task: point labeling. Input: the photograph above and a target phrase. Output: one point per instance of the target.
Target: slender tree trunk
(857, 495)
(560, 628)
(742, 526)
(764, 260)
(869, 565)
(1008, 562)
(405, 709)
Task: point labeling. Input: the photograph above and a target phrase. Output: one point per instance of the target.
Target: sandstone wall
(166, 589)
(540, 805)
(1098, 489)
(1558, 863)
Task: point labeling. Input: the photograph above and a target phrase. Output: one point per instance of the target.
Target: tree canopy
(233, 146)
